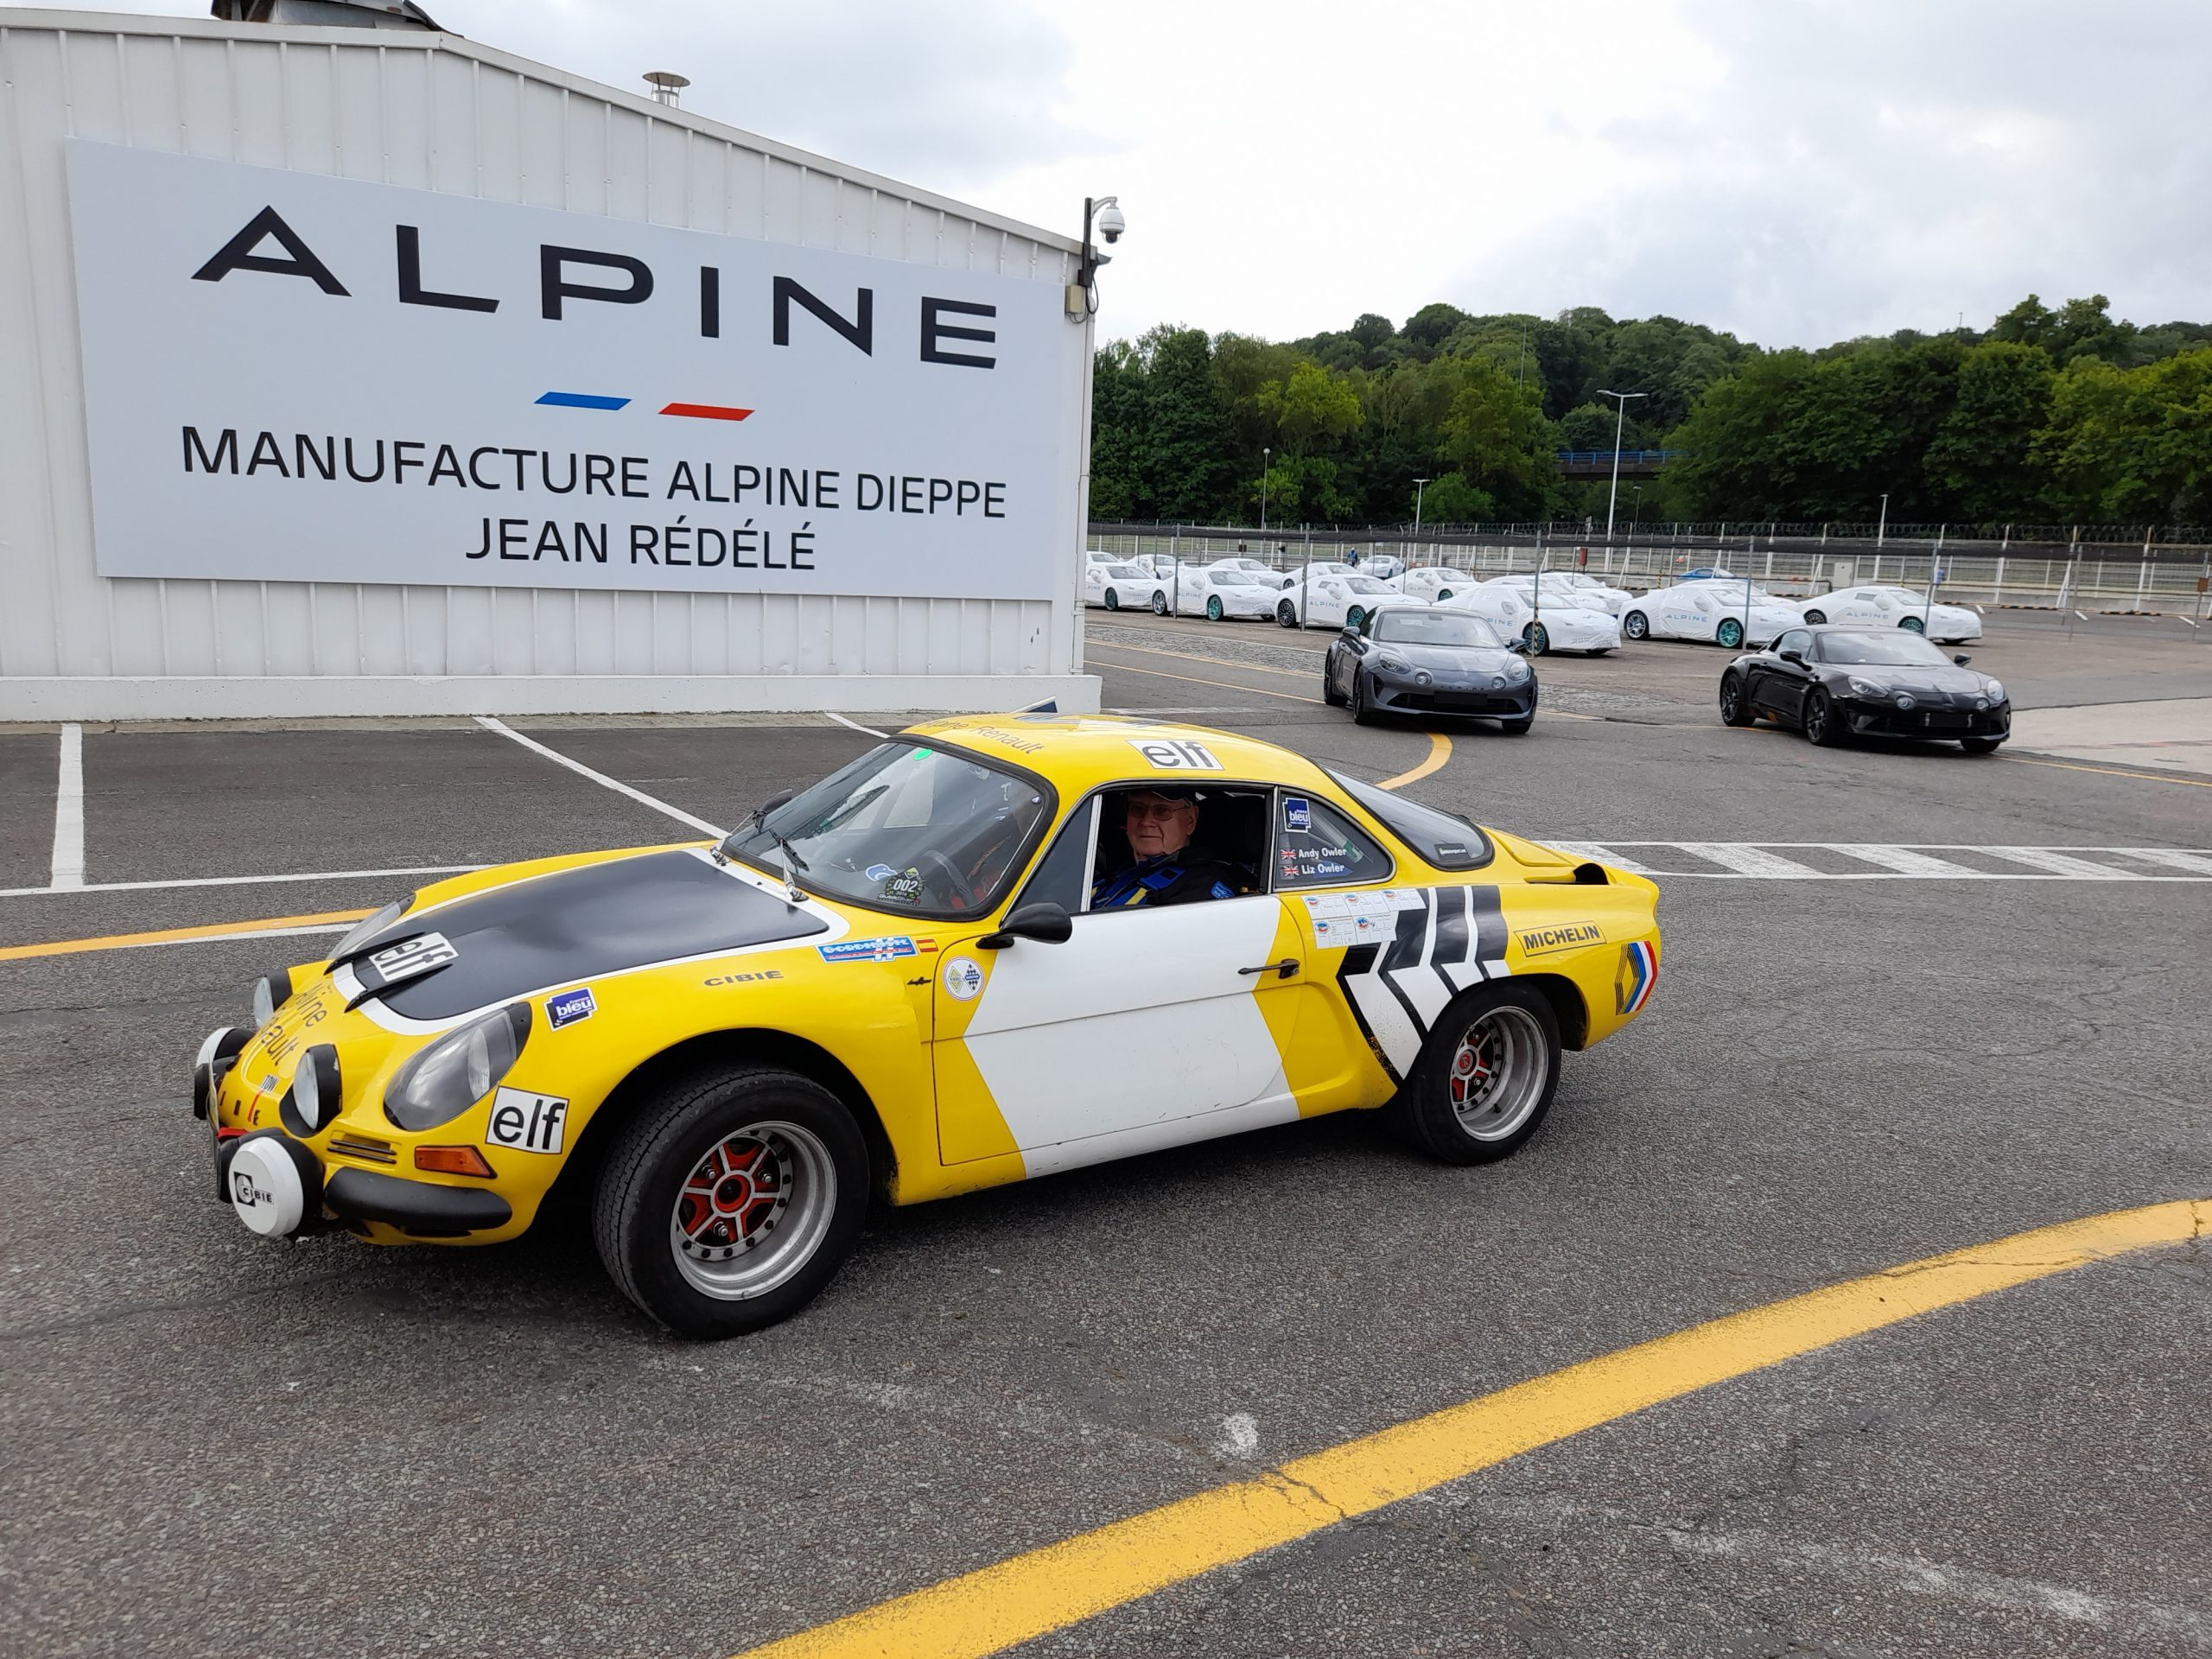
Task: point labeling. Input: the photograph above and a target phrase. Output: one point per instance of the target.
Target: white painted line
(1747, 860)
(242, 880)
(2196, 863)
(218, 939)
(2042, 858)
(1903, 859)
(1605, 853)
(68, 866)
(601, 778)
(855, 724)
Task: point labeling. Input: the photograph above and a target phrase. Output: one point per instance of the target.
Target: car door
(1146, 1027)
(1777, 685)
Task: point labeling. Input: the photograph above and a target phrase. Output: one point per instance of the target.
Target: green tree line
(2046, 416)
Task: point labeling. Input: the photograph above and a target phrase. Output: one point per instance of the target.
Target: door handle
(1287, 968)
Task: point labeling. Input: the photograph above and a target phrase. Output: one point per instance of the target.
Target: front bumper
(1506, 701)
(1868, 718)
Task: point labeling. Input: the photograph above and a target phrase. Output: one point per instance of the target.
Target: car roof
(1077, 753)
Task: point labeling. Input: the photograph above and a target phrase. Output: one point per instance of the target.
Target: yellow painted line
(1226, 685)
(2113, 771)
(1440, 751)
(1048, 1589)
(182, 935)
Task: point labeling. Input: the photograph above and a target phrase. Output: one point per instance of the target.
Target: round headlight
(1905, 700)
(1517, 669)
(369, 927)
(1995, 690)
(313, 1100)
(457, 1071)
(270, 993)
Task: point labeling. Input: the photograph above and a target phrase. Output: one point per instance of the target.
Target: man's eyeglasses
(1155, 808)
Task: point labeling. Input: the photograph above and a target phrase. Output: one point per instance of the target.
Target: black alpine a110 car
(1834, 683)
(1419, 659)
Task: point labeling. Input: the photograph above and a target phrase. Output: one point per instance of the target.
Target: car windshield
(1232, 578)
(906, 827)
(1432, 628)
(1123, 572)
(1898, 646)
(1367, 585)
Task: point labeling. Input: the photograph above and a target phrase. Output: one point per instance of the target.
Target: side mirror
(1517, 647)
(1794, 655)
(1351, 632)
(1043, 921)
(1962, 661)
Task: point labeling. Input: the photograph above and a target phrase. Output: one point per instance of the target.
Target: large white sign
(299, 379)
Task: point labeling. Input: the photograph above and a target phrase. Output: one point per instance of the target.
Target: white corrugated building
(501, 270)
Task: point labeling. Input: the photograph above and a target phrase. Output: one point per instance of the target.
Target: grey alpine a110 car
(1429, 660)
(1833, 682)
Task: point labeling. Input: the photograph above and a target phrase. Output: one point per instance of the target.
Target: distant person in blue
(1352, 558)
(1160, 823)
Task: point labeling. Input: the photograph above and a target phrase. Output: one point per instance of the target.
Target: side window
(1063, 876)
(1172, 844)
(1367, 625)
(1316, 846)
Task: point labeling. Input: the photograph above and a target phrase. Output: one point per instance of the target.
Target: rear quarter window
(1442, 839)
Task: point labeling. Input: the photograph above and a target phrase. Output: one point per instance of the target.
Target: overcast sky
(1796, 171)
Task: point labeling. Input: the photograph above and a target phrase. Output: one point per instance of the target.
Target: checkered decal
(1455, 938)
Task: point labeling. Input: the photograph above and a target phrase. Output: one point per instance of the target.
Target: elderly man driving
(1160, 823)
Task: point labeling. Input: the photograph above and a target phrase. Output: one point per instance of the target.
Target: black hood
(1915, 677)
(598, 919)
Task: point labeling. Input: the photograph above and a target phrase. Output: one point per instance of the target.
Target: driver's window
(1367, 625)
(1172, 844)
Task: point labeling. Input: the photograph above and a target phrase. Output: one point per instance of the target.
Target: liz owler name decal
(296, 377)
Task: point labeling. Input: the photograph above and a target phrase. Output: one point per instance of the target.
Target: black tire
(1729, 636)
(1158, 603)
(1816, 618)
(1213, 607)
(1330, 695)
(1450, 1126)
(1735, 707)
(1516, 727)
(822, 1174)
(1822, 725)
(1113, 599)
(1361, 713)
(1636, 626)
(1443, 594)
(1537, 637)
(1980, 744)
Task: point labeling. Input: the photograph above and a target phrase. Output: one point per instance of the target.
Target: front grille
(1454, 703)
(365, 1149)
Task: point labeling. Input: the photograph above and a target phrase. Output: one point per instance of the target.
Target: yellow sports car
(989, 949)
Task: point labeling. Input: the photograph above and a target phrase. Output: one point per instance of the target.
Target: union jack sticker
(1633, 980)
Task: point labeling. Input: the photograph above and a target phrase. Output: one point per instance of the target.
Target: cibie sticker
(570, 1006)
(963, 978)
(526, 1122)
(1176, 755)
(1297, 814)
(883, 949)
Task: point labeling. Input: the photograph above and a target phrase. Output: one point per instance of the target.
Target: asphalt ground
(218, 1445)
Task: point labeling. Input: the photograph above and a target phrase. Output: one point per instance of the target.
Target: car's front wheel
(1822, 724)
(1735, 707)
(1485, 1076)
(1355, 616)
(1443, 594)
(1113, 599)
(1636, 626)
(1330, 695)
(1213, 607)
(1537, 637)
(1913, 622)
(1816, 618)
(1730, 635)
(1980, 744)
(1516, 727)
(1361, 713)
(1286, 613)
(1159, 604)
(730, 1198)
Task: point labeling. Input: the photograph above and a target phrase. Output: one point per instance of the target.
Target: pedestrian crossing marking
(1773, 860)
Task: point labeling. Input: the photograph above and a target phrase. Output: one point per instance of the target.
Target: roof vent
(666, 84)
(328, 14)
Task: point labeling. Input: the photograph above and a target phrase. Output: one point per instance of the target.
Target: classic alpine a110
(963, 959)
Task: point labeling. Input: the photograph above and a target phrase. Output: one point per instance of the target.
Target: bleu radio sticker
(1297, 813)
(887, 949)
(570, 1006)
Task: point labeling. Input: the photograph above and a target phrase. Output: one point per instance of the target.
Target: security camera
(1109, 221)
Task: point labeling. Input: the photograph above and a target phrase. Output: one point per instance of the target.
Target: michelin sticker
(883, 949)
(1179, 754)
(963, 978)
(570, 1006)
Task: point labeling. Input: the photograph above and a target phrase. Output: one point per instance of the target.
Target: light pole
(1619, 421)
(1264, 453)
(1882, 530)
(1405, 565)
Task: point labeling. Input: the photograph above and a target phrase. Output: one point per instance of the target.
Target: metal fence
(2169, 585)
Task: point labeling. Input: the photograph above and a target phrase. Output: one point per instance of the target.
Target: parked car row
(1556, 610)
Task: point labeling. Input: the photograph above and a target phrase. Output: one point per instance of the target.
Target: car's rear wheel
(1636, 626)
(1735, 707)
(1355, 616)
(1485, 1076)
(731, 1199)
(1730, 635)
(1980, 744)
(1816, 618)
(1537, 637)
(1213, 607)
(1443, 594)
(1914, 623)
(1159, 604)
(1286, 613)
(1822, 725)
(1113, 599)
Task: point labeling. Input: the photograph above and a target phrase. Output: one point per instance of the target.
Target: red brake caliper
(1469, 1070)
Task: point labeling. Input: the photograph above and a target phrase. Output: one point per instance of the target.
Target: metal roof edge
(116, 22)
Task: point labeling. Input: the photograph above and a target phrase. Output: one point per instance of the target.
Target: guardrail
(2167, 587)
